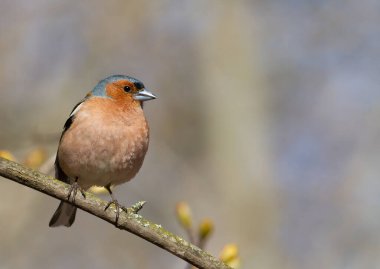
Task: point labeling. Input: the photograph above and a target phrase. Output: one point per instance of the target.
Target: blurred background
(265, 123)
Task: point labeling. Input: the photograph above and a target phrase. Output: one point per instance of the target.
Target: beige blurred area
(266, 123)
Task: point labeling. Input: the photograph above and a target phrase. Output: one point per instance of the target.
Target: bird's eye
(127, 88)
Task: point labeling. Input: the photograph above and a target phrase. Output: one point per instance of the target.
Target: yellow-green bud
(205, 229)
(184, 214)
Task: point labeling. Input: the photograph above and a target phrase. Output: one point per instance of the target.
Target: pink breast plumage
(106, 143)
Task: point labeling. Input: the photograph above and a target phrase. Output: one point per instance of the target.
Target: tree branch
(130, 221)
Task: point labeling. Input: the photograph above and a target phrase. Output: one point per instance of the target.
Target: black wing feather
(59, 174)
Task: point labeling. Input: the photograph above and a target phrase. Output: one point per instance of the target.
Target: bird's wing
(69, 121)
(59, 174)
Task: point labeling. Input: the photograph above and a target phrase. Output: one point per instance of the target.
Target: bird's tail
(64, 215)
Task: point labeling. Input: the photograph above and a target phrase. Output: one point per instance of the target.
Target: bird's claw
(118, 207)
(74, 190)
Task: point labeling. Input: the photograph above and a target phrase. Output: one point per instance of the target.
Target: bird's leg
(116, 203)
(74, 189)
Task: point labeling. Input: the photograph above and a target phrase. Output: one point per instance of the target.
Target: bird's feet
(118, 207)
(74, 190)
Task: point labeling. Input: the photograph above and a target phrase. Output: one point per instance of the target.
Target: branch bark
(130, 221)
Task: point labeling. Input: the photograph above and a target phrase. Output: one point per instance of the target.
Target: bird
(103, 142)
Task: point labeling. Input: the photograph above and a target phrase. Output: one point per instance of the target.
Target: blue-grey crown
(100, 88)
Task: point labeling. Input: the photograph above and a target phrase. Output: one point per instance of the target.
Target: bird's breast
(104, 145)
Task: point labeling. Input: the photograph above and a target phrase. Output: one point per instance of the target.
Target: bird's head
(122, 88)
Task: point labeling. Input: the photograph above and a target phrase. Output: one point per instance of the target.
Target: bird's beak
(144, 95)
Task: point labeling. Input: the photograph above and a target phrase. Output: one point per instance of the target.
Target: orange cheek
(118, 94)
(114, 92)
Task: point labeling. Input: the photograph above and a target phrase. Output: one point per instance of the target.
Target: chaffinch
(103, 142)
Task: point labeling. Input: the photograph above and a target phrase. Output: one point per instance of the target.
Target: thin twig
(131, 222)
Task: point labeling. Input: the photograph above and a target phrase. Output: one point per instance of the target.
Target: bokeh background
(266, 122)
